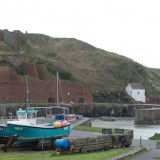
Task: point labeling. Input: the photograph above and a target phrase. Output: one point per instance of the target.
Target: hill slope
(98, 69)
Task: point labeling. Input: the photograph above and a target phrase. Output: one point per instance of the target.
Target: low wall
(147, 116)
(85, 122)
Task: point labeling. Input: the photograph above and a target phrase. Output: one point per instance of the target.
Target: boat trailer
(8, 142)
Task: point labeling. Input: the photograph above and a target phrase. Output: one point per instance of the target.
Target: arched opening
(50, 100)
(81, 100)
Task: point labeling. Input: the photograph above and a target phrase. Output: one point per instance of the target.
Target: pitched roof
(136, 86)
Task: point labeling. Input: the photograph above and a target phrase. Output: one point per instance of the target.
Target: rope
(40, 89)
(61, 91)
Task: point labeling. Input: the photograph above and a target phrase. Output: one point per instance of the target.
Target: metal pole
(42, 143)
(57, 88)
(140, 141)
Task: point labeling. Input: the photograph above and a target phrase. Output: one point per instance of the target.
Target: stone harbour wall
(87, 110)
(105, 109)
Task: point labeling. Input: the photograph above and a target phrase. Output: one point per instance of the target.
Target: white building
(136, 91)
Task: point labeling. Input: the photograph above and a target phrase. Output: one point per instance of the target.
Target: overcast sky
(126, 27)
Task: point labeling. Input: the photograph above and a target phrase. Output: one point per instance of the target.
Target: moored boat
(27, 129)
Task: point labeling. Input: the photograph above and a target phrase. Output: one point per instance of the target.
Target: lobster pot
(61, 143)
(106, 131)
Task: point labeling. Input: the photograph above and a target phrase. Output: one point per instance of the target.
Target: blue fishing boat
(27, 129)
(4, 131)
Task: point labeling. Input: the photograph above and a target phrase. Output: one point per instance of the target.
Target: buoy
(58, 153)
(57, 124)
(64, 123)
(61, 143)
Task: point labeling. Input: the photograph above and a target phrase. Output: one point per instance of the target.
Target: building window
(138, 92)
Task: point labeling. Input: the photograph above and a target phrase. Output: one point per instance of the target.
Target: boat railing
(4, 120)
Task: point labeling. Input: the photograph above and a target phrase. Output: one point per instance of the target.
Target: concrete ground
(152, 154)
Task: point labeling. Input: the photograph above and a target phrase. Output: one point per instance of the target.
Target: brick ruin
(17, 39)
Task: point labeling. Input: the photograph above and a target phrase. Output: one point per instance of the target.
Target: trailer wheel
(71, 150)
(82, 150)
(127, 145)
(106, 147)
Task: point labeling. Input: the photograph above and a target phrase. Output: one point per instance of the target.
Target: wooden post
(140, 141)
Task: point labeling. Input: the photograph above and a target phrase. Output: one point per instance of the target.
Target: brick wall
(30, 69)
(12, 89)
(42, 71)
(40, 91)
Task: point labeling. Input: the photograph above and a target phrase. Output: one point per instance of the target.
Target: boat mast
(27, 96)
(57, 86)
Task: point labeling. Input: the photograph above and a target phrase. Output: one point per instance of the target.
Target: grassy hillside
(98, 69)
(156, 71)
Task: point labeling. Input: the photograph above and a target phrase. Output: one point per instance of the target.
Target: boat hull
(36, 133)
(4, 131)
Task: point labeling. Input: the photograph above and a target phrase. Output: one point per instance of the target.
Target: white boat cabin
(27, 116)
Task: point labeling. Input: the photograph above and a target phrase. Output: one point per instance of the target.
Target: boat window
(34, 115)
(29, 116)
(21, 116)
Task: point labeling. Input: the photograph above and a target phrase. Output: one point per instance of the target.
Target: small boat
(106, 118)
(27, 129)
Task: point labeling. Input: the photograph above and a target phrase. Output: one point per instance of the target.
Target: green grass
(155, 137)
(51, 155)
(87, 128)
(5, 47)
(156, 71)
(50, 55)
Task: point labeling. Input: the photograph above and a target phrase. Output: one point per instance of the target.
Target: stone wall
(10, 38)
(16, 39)
(104, 109)
(87, 110)
(147, 116)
